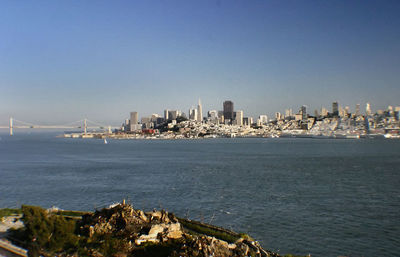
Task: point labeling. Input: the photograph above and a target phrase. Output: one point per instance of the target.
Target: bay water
(324, 197)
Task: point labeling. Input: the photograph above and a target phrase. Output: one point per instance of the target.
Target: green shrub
(46, 231)
(8, 212)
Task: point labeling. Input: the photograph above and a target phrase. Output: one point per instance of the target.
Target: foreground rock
(123, 231)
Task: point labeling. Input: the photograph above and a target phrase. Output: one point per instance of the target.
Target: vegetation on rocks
(122, 230)
(9, 212)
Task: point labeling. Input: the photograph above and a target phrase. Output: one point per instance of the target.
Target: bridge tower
(84, 127)
(11, 126)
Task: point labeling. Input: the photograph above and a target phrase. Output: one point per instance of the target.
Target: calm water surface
(324, 197)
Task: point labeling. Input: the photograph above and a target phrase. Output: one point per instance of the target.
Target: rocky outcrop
(136, 228)
(121, 230)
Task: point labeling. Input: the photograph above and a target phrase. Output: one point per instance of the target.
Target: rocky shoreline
(121, 230)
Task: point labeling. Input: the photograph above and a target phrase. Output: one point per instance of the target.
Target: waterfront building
(228, 110)
(335, 109)
(199, 112)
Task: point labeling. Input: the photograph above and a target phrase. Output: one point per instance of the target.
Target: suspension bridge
(84, 124)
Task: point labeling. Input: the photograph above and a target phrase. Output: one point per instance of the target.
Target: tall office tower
(133, 123)
(357, 110)
(347, 110)
(213, 114)
(228, 110)
(368, 109)
(199, 112)
(166, 114)
(278, 115)
(251, 121)
(324, 112)
(303, 112)
(342, 112)
(172, 115)
(316, 114)
(239, 118)
(335, 109)
(246, 121)
(263, 119)
(154, 117)
(134, 118)
(193, 113)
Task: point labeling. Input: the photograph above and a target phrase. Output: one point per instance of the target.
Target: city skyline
(61, 61)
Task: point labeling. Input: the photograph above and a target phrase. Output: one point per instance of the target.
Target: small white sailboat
(105, 141)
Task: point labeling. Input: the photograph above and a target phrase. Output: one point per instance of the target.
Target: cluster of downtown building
(339, 122)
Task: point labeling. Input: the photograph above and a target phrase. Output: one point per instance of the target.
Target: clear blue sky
(61, 61)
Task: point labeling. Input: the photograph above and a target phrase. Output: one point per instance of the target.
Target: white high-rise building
(166, 114)
(193, 114)
(324, 112)
(264, 119)
(199, 112)
(368, 109)
(239, 118)
(213, 114)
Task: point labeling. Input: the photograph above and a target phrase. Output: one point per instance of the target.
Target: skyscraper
(368, 109)
(357, 110)
(324, 112)
(134, 118)
(193, 114)
(228, 110)
(199, 112)
(166, 114)
(133, 123)
(303, 112)
(239, 118)
(335, 109)
(263, 119)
